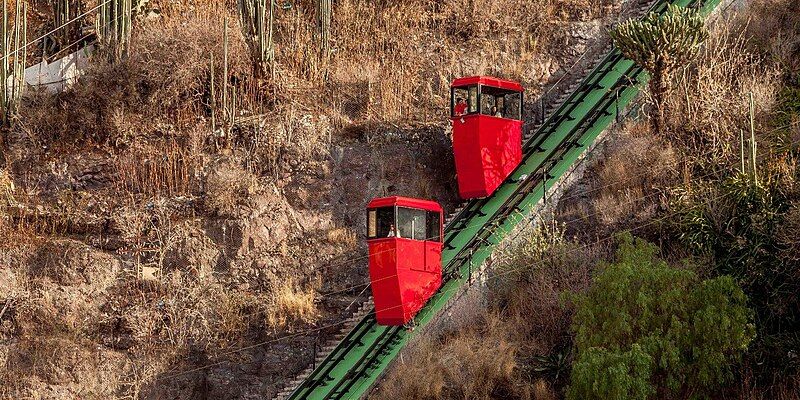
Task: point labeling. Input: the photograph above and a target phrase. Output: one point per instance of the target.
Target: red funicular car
(487, 132)
(404, 236)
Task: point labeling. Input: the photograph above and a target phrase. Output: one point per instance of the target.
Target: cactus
(113, 28)
(659, 44)
(324, 27)
(228, 99)
(12, 68)
(257, 18)
(65, 15)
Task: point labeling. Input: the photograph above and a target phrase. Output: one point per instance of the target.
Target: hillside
(174, 232)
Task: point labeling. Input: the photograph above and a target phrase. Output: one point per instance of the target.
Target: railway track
(353, 365)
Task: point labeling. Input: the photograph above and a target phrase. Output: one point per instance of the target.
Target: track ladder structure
(354, 364)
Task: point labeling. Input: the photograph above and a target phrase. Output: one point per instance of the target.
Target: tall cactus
(258, 18)
(324, 27)
(66, 16)
(659, 44)
(113, 28)
(12, 68)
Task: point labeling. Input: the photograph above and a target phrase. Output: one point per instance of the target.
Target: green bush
(646, 330)
(745, 229)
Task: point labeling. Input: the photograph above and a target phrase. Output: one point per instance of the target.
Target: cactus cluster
(14, 57)
(660, 43)
(665, 41)
(257, 18)
(66, 16)
(114, 22)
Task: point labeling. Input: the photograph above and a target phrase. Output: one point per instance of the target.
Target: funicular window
(379, 222)
(411, 223)
(508, 102)
(470, 96)
(433, 231)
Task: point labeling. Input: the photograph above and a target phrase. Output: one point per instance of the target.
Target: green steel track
(356, 363)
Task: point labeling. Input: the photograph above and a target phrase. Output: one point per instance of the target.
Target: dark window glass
(513, 105)
(473, 99)
(433, 231)
(411, 223)
(380, 222)
(508, 103)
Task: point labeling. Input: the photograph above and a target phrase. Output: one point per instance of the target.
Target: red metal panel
(466, 151)
(433, 257)
(383, 276)
(488, 81)
(402, 285)
(486, 151)
(501, 149)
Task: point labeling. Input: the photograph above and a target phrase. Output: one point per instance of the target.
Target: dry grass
(166, 168)
(709, 106)
(394, 61)
(623, 189)
(533, 273)
(292, 303)
(478, 363)
(342, 236)
(773, 28)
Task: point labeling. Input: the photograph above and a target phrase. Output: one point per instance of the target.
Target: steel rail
(351, 369)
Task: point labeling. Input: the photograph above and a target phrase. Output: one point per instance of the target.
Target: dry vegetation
(519, 346)
(634, 184)
(138, 242)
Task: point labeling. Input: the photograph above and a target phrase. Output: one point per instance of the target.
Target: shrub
(644, 328)
(746, 229)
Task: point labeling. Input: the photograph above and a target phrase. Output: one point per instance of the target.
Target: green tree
(647, 330)
(660, 43)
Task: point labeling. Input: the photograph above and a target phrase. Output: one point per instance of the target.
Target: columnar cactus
(258, 17)
(113, 28)
(659, 44)
(324, 26)
(14, 56)
(65, 15)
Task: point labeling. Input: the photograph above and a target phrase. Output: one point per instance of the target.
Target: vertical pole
(544, 185)
(314, 360)
(213, 99)
(225, 71)
(271, 49)
(753, 143)
(541, 108)
(741, 150)
(4, 101)
(470, 267)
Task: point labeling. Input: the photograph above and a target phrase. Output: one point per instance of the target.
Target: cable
(460, 287)
(584, 217)
(55, 30)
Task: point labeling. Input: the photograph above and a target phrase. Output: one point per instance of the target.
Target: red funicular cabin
(487, 132)
(405, 256)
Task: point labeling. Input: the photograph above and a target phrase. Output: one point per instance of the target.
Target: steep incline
(471, 234)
